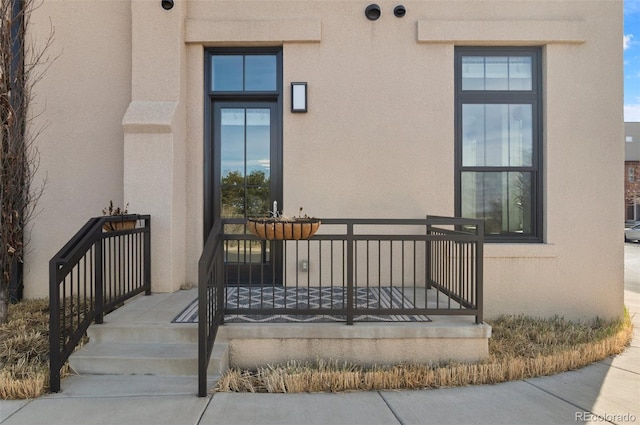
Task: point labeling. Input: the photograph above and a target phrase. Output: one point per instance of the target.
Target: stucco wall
(79, 104)
(378, 140)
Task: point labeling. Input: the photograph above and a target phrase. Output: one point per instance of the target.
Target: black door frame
(211, 172)
(208, 150)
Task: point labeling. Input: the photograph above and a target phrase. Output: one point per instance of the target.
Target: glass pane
(258, 161)
(232, 135)
(226, 73)
(258, 141)
(472, 73)
(497, 135)
(232, 199)
(520, 135)
(246, 252)
(245, 160)
(502, 199)
(473, 135)
(520, 73)
(260, 73)
(258, 200)
(497, 73)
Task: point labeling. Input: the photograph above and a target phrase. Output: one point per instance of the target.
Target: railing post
(54, 328)
(427, 253)
(480, 271)
(203, 358)
(99, 281)
(147, 257)
(350, 265)
(210, 301)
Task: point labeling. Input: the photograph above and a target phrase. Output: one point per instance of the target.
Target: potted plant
(123, 224)
(281, 227)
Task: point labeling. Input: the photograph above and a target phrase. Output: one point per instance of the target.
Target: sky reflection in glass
(237, 73)
(245, 140)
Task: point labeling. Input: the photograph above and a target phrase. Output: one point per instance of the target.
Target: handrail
(92, 273)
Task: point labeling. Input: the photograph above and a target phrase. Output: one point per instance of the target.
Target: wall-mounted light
(298, 97)
(372, 12)
(399, 11)
(167, 4)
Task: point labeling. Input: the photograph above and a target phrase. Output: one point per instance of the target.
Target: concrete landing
(139, 339)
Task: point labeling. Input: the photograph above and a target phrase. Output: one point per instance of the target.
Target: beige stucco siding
(79, 103)
(377, 141)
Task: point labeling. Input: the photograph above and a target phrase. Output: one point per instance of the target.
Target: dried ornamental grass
(520, 348)
(24, 351)
(31, 386)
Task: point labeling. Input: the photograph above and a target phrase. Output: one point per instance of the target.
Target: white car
(632, 233)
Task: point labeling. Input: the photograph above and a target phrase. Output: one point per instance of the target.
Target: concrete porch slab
(139, 338)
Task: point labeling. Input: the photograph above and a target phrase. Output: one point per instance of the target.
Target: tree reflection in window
(245, 197)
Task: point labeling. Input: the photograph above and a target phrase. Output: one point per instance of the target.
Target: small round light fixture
(399, 11)
(167, 4)
(372, 12)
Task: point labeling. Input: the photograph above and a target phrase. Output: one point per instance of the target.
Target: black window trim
(534, 97)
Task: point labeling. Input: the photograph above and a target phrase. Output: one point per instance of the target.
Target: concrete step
(147, 333)
(105, 386)
(139, 339)
(143, 358)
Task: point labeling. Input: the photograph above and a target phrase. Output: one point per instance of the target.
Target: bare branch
(22, 65)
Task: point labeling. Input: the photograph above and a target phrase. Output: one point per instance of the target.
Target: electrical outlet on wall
(303, 266)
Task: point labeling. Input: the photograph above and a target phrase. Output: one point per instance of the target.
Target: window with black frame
(498, 141)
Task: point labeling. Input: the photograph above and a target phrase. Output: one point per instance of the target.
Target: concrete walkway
(605, 392)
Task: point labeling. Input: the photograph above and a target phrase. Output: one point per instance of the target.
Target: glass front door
(246, 184)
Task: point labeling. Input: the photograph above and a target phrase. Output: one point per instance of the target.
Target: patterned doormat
(307, 298)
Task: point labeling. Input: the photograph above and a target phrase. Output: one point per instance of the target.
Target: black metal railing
(352, 270)
(210, 307)
(107, 262)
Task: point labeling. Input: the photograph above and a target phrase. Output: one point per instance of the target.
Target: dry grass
(520, 348)
(24, 351)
